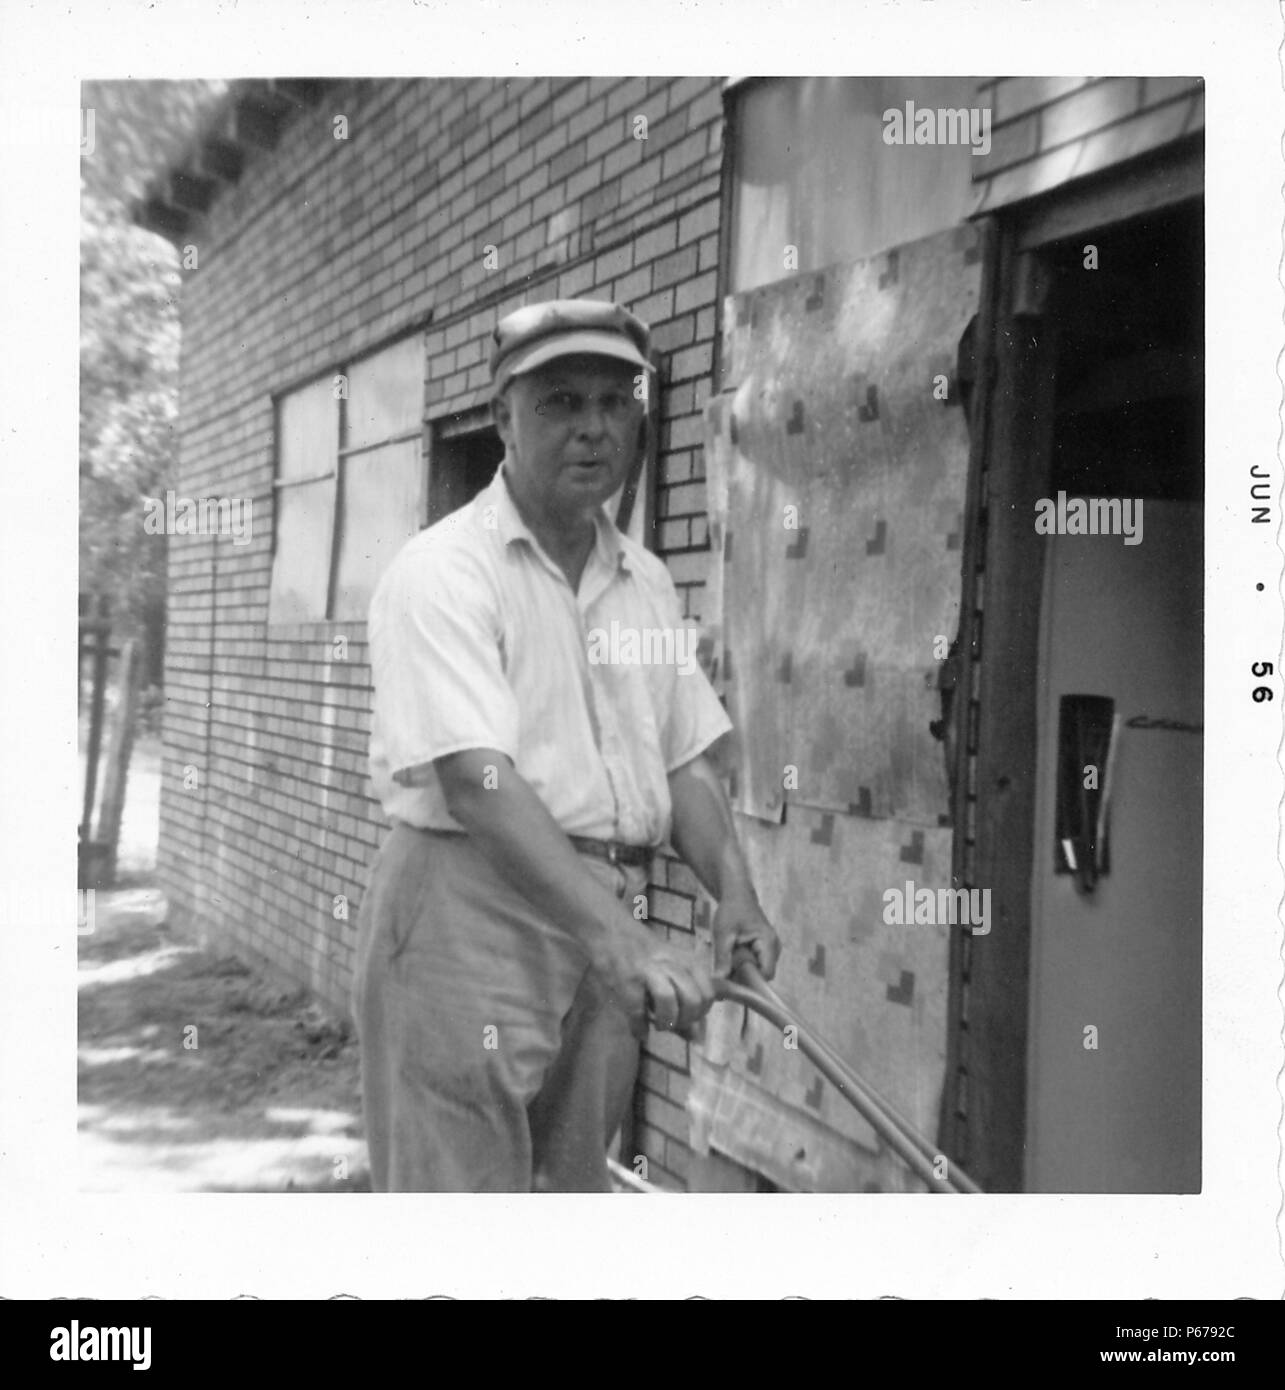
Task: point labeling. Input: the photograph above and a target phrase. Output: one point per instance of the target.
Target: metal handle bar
(752, 991)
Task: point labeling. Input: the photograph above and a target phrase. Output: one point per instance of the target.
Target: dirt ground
(195, 1073)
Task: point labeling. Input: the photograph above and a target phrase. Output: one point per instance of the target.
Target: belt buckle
(612, 856)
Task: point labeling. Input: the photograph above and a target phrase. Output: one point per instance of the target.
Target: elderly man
(505, 971)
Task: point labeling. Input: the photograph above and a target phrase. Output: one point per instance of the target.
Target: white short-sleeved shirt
(477, 641)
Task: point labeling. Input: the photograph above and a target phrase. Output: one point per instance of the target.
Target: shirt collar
(609, 547)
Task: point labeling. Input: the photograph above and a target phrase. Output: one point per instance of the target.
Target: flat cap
(537, 333)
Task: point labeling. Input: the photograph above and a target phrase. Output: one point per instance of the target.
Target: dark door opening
(1129, 399)
(465, 453)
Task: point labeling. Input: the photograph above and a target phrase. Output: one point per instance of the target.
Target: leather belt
(613, 851)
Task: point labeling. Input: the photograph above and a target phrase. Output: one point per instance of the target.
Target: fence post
(100, 628)
(118, 754)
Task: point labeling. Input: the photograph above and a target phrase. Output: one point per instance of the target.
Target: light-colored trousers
(491, 1058)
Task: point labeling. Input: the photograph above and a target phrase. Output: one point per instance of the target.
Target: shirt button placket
(601, 736)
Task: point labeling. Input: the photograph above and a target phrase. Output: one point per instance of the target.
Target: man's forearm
(704, 833)
(525, 845)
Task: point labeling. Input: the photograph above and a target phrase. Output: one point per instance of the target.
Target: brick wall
(326, 248)
(1046, 131)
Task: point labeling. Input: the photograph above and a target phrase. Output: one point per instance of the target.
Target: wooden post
(101, 629)
(120, 747)
(984, 1110)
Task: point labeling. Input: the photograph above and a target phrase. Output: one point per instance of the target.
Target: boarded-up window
(381, 494)
(307, 460)
(812, 170)
(350, 483)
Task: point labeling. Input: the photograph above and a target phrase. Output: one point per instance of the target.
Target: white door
(1117, 1109)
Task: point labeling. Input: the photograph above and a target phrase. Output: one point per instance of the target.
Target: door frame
(983, 1122)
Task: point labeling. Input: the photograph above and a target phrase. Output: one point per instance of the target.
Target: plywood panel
(828, 622)
(876, 992)
(836, 476)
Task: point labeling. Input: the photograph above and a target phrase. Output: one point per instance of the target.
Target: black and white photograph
(652, 635)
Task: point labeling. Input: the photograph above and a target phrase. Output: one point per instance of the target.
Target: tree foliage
(129, 337)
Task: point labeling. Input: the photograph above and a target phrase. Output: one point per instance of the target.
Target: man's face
(573, 429)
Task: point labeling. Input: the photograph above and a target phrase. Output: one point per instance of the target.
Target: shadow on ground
(197, 1074)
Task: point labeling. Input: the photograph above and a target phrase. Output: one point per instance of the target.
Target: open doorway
(1074, 1032)
(1115, 1006)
